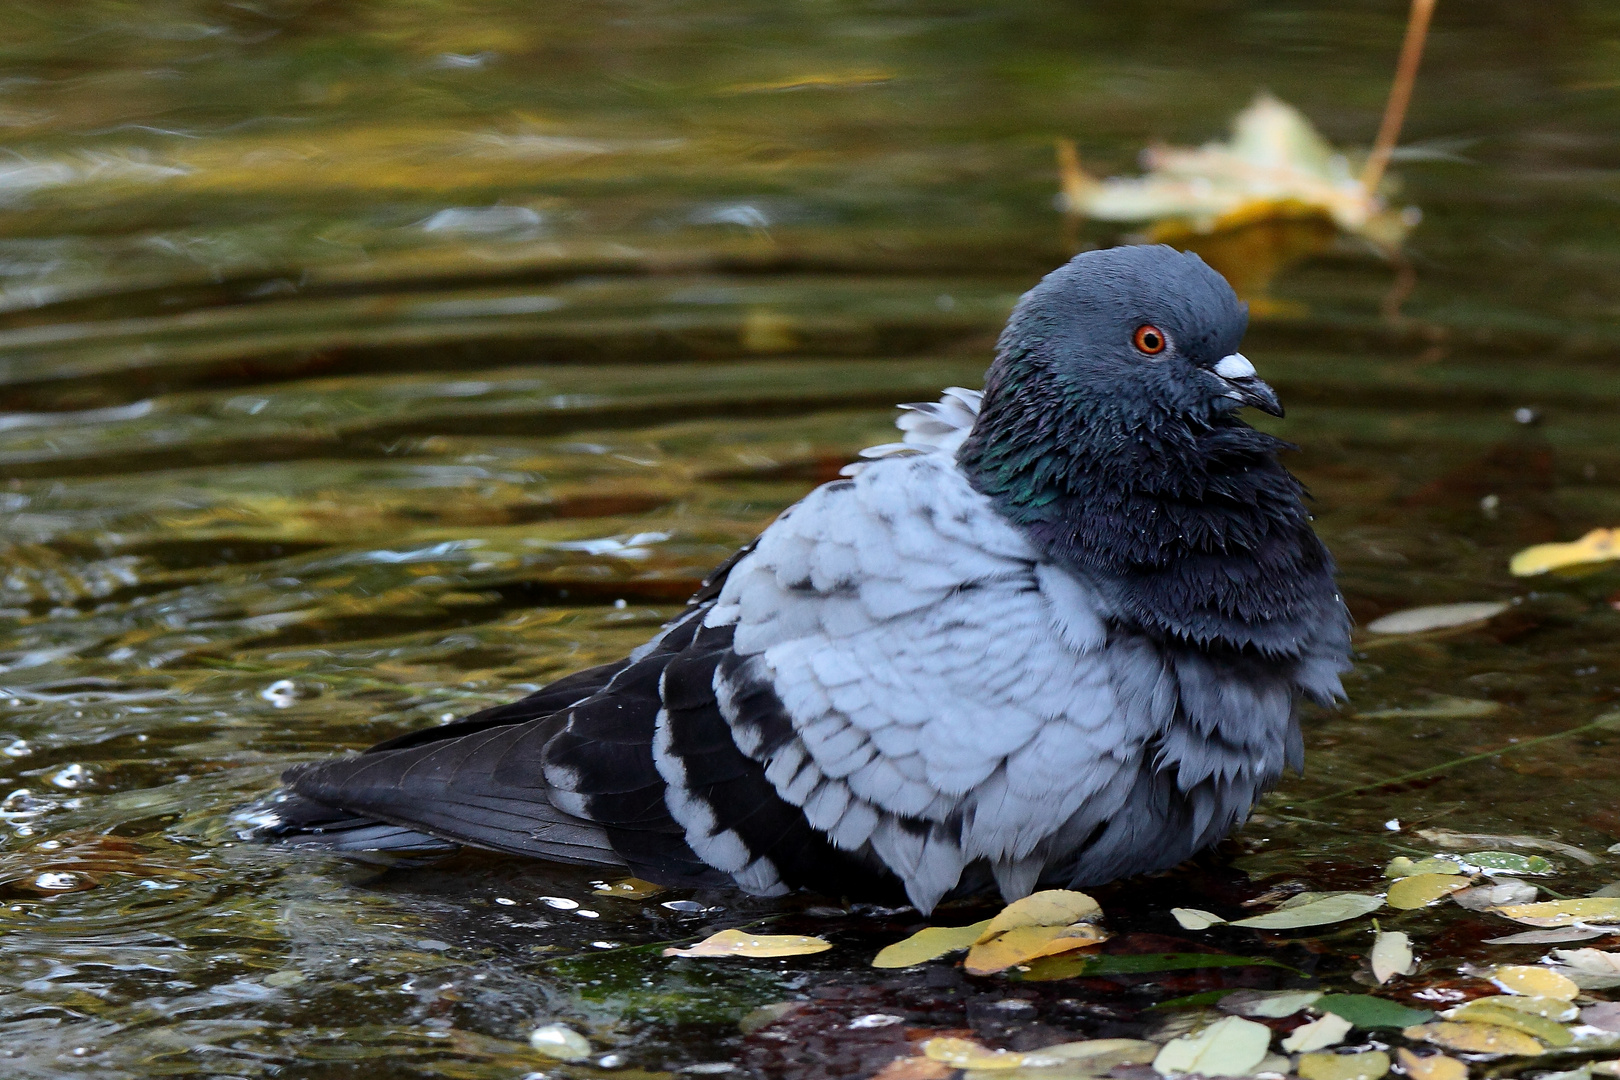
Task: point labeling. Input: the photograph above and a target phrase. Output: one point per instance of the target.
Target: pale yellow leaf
(1102, 1054)
(1421, 890)
(1531, 981)
(1590, 961)
(1605, 909)
(1437, 617)
(1319, 911)
(1368, 1065)
(1475, 1038)
(742, 943)
(1392, 956)
(1191, 918)
(967, 1054)
(912, 1068)
(926, 944)
(1597, 546)
(1328, 1030)
(1229, 1047)
(1432, 1066)
(1551, 1008)
(1548, 1031)
(1025, 943)
(1049, 907)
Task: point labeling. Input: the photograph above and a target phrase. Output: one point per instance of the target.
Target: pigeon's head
(1145, 333)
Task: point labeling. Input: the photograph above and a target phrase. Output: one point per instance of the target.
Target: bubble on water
(505, 902)
(71, 776)
(281, 693)
(561, 903)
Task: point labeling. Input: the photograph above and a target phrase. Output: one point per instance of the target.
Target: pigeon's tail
(300, 822)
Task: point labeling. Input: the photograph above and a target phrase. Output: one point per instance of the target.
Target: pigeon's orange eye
(1150, 339)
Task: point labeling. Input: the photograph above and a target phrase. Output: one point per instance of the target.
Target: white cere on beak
(1236, 366)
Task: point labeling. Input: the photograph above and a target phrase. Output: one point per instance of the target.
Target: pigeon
(1057, 635)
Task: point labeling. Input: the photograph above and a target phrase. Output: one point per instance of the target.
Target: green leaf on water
(1049, 968)
(1508, 862)
(1366, 1011)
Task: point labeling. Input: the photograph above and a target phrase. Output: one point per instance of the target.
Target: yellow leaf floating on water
(1597, 909)
(742, 943)
(1229, 1047)
(1431, 1066)
(1475, 1038)
(1025, 943)
(1368, 1065)
(1597, 546)
(1532, 981)
(1049, 907)
(1421, 890)
(967, 1054)
(929, 943)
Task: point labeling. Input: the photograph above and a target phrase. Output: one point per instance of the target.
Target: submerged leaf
(1024, 943)
(1436, 617)
(1093, 1057)
(1229, 1047)
(1392, 956)
(1597, 546)
(1548, 937)
(742, 943)
(629, 889)
(1439, 707)
(1476, 1038)
(1551, 1008)
(1191, 918)
(967, 1054)
(1321, 1033)
(1605, 909)
(1500, 894)
(1421, 890)
(1368, 1065)
(928, 944)
(1049, 968)
(1328, 908)
(1366, 1011)
(1431, 1066)
(1270, 1004)
(1049, 907)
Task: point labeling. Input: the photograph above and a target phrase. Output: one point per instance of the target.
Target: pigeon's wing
(915, 679)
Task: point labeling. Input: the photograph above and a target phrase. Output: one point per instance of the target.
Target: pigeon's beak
(1246, 388)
